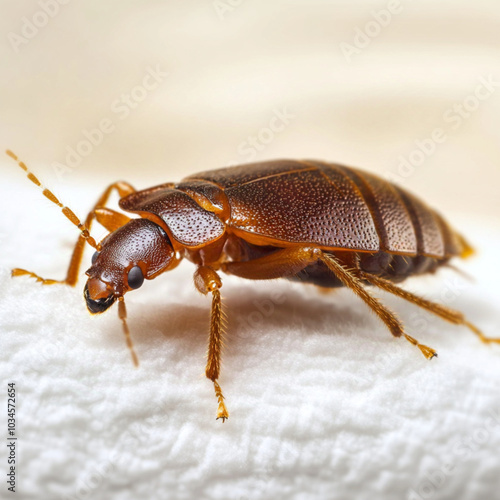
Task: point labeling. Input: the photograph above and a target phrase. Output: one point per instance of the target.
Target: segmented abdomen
(405, 224)
(333, 206)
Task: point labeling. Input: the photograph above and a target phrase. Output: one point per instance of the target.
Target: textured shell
(186, 222)
(332, 206)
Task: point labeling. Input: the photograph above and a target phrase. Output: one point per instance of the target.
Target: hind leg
(455, 317)
(392, 322)
(290, 261)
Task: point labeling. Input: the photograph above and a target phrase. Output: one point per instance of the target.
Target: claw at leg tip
(428, 352)
(222, 412)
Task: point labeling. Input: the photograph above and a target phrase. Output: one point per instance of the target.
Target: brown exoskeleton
(308, 221)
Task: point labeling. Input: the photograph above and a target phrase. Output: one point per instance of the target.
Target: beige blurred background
(406, 89)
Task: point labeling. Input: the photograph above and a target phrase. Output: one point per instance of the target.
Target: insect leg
(109, 220)
(450, 315)
(290, 261)
(286, 262)
(388, 317)
(207, 280)
(325, 291)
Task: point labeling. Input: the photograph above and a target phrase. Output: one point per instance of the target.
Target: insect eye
(94, 257)
(135, 277)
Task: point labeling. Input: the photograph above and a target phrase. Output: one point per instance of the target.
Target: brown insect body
(242, 213)
(309, 221)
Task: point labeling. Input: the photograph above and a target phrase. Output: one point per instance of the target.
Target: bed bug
(308, 221)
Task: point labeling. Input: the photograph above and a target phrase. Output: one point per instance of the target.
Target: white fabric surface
(324, 403)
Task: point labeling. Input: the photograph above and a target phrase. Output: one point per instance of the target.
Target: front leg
(207, 280)
(109, 219)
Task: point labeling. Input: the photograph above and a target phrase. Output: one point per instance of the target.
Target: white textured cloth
(323, 402)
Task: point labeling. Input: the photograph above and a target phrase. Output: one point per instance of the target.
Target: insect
(307, 221)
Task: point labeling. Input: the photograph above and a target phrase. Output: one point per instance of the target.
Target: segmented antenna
(70, 215)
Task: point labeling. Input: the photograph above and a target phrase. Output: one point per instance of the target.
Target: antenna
(122, 314)
(69, 214)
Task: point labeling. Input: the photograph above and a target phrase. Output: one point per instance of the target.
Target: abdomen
(287, 203)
